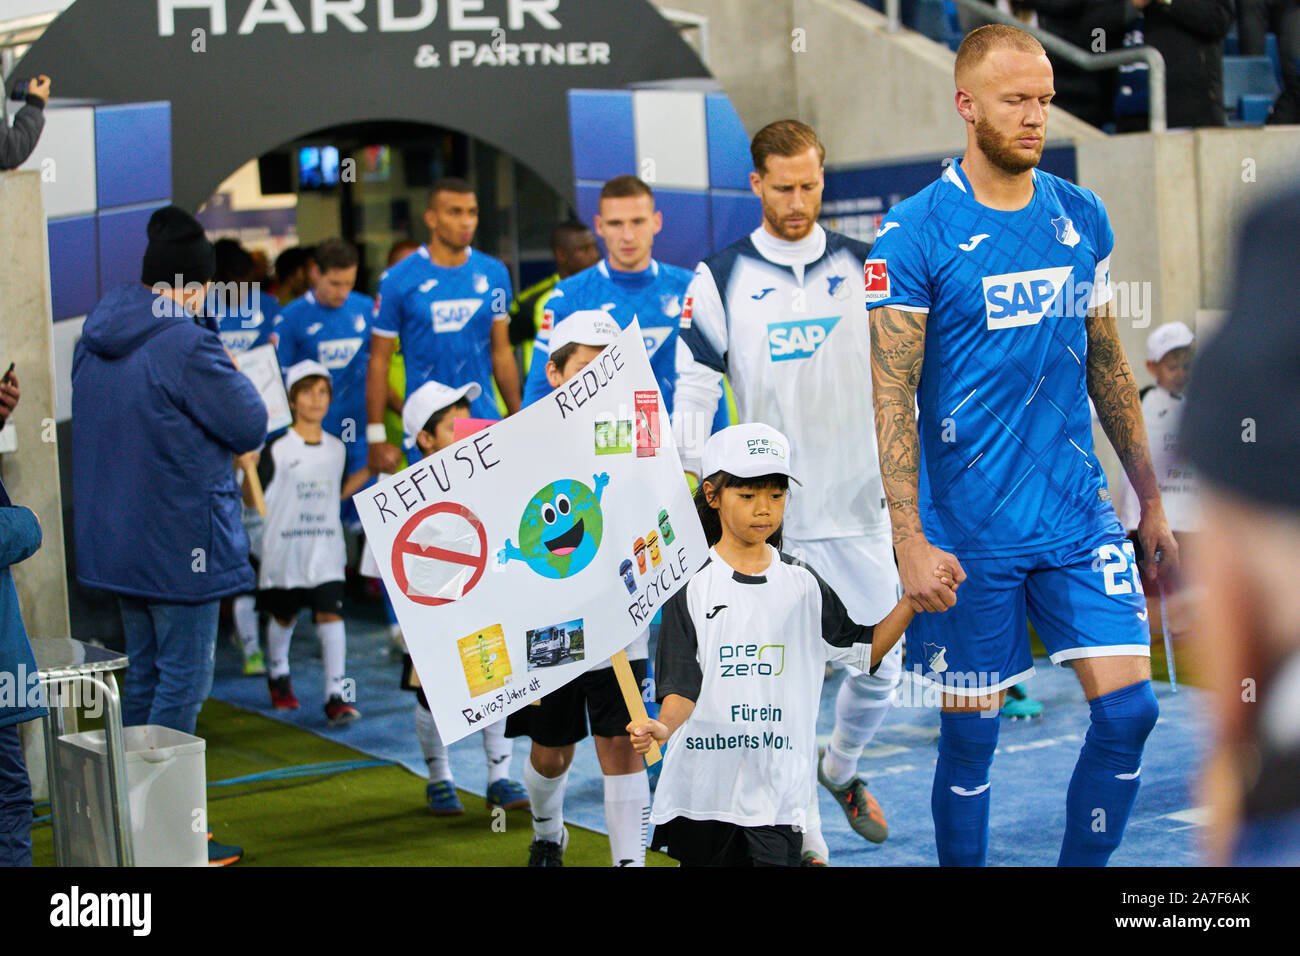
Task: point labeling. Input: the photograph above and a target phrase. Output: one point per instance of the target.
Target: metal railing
(1075, 56)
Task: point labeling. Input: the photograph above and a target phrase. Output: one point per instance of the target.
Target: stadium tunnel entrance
(163, 101)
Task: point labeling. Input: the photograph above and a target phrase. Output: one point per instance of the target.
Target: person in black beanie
(158, 411)
(16, 144)
(1241, 430)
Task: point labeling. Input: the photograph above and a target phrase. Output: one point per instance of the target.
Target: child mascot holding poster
(304, 475)
(741, 659)
(429, 420)
(561, 719)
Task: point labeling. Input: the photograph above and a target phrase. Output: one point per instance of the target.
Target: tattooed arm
(897, 350)
(1115, 395)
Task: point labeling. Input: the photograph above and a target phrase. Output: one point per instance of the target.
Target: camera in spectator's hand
(18, 90)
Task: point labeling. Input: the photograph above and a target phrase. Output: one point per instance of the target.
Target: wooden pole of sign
(632, 697)
(255, 489)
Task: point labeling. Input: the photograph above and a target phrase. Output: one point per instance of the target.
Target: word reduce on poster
(525, 554)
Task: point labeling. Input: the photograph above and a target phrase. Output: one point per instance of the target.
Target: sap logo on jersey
(795, 340)
(239, 341)
(452, 315)
(1022, 298)
(337, 353)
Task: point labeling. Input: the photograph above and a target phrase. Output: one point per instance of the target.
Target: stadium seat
(1247, 76)
(1254, 108)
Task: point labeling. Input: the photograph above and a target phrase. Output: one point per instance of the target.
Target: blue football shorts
(1084, 600)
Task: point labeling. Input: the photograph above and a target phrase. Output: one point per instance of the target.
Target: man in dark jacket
(16, 144)
(1189, 35)
(20, 538)
(158, 412)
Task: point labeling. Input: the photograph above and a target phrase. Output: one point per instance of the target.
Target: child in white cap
(429, 420)
(741, 659)
(593, 702)
(304, 478)
(1169, 360)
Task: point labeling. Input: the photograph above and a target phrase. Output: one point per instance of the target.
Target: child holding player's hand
(740, 664)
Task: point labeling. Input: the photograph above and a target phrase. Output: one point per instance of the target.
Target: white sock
(813, 841)
(861, 706)
(498, 750)
(334, 651)
(627, 816)
(431, 745)
(546, 794)
(244, 610)
(277, 647)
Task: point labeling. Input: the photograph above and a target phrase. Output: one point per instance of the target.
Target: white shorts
(860, 569)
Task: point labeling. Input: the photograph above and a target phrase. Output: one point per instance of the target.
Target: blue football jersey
(444, 317)
(1007, 462)
(340, 340)
(246, 325)
(654, 296)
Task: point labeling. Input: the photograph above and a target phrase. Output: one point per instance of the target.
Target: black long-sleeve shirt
(20, 140)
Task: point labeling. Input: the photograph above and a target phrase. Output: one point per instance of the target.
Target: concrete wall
(870, 95)
(31, 472)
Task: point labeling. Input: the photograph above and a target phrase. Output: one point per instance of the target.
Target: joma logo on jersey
(1022, 298)
(749, 660)
(452, 315)
(794, 340)
(337, 353)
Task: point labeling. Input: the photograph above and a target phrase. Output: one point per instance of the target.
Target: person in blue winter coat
(158, 413)
(20, 538)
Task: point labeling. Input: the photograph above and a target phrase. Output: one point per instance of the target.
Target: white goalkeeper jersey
(751, 652)
(787, 322)
(1179, 490)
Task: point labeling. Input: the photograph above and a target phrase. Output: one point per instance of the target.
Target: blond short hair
(980, 42)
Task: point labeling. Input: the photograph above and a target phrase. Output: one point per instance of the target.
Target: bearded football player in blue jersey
(450, 306)
(990, 303)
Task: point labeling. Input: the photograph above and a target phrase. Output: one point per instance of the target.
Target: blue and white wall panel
(104, 170)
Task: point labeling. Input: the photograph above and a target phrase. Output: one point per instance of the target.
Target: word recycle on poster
(525, 554)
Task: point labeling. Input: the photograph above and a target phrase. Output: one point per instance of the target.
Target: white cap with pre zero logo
(747, 451)
(305, 369)
(1166, 338)
(432, 397)
(592, 327)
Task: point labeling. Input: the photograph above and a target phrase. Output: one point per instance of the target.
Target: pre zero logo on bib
(1022, 298)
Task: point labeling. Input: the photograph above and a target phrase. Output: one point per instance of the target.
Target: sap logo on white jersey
(337, 353)
(795, 340)
(452, 315)
(1022, 298)
(655, 338)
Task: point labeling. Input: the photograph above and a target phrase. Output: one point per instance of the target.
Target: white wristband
(376, 433)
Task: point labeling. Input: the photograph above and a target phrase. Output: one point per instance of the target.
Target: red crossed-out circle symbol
(403, 545)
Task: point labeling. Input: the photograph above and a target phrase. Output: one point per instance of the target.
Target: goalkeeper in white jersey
(783, 313)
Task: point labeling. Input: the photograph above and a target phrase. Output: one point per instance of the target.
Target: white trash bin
(166, 780)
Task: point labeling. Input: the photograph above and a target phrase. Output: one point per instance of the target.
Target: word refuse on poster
(526, 553)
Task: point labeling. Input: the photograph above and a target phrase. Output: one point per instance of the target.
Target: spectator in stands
(158, 414)
(20, 538)
(17, 143)
(1255, 18)
(1243, 413)
(1189, 35)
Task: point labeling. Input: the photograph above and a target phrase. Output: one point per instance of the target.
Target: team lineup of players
(981, 459)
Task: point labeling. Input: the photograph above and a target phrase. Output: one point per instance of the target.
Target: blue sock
(1105, 782)
(960, 798)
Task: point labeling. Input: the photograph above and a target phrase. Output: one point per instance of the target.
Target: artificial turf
(372, 816)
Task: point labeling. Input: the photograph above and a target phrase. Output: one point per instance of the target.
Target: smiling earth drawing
(559, 532)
